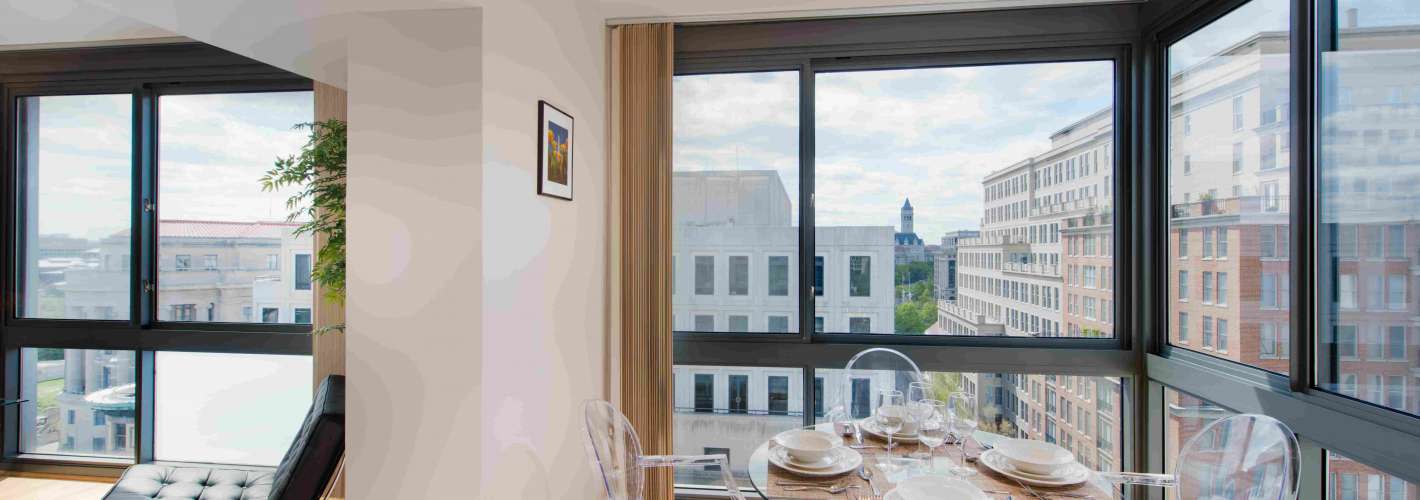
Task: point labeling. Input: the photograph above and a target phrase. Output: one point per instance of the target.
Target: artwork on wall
(554, 152)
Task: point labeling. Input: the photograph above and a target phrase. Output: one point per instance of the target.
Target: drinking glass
(891, 413)
(932, 431)
(918, 392)
(962, 406)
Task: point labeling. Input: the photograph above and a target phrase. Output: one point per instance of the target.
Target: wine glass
(962, 406)
(916, 393)
(932, 431)
(891, 413)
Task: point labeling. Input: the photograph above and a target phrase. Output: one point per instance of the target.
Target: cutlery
(868, 476)
(832, 490)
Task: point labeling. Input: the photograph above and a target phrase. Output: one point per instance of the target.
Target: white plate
(844, 460)
(1069, 475)
(871, 427)
(935, 488)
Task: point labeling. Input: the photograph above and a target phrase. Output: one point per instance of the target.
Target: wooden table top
(887, 468)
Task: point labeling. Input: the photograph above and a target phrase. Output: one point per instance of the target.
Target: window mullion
(807, 310)
(145, 161)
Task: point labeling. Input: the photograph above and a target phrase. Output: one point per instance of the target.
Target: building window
(1182, 243)
(778, 395)
(209, 262)
(1237, 157)
(302, 316)
(1207, 287)
(859, 276)
(818, 276)
(120, 437)
(302, 271)
(1395, 343)
(778, 276)
(739, 275)
(270, 315)
(1207, 331)
(273, 262)
(1183, 286)
(99, 419)
(704, 275)
(1222, 288)
(862, 399)
(183, 312)
(818, 397)
(739, 323)
(1182, 326)
(1237, 113)
(100, 444)
(704, 323)
(818, 324)
(778, 324)
(860, 325)
(1346, 341)
(711, 450)
(1395, 241)
(1222, 334)
(704, 393)
(1207, 243)
(1267, 242)
(182, 263)
(739, 394)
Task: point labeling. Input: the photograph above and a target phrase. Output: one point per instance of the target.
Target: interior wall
(415, 255)
(544, 258)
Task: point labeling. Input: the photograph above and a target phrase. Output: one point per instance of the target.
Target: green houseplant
(318, 173)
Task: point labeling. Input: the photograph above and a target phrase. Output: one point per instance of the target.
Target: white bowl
(1035, 457)
(909, 428)
(806, 445)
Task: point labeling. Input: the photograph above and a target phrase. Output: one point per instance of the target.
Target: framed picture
(554, 152)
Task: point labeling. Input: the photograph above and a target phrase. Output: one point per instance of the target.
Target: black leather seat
(303, 474)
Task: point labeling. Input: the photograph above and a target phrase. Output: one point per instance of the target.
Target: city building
(944, 264)
(908, 247)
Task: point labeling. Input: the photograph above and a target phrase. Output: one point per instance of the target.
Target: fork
(834, 490)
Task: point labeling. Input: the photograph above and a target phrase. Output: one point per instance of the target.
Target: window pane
(229, 408)
(1368, 202)
(76, 170)
(213, 150)
(81, 402)
(736, 201)
(1229, 169)
(1348, 479)
(733, 410)
(896, 178)
(1186, 415)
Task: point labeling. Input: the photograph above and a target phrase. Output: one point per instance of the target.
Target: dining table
(885, 468)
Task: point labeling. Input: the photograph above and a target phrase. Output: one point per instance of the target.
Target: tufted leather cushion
(147, 481)
(304, 472)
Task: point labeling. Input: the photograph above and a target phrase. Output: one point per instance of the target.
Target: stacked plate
(813, 453)
(870, 426)
(1036, 463)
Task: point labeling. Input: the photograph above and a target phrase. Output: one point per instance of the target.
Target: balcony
(1033, 269)
(1230, 206)
(1060, 208)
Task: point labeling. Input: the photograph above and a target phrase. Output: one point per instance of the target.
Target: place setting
(813, 453)
(1035, 463)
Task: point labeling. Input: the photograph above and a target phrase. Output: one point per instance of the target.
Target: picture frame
(555, 140)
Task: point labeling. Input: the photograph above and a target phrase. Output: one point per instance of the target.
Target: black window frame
(144, 72)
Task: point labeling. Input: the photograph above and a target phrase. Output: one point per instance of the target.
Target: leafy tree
(318, 173)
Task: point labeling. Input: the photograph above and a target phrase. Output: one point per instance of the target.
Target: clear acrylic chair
(1243, 456)
(881, 368)
(615, 452)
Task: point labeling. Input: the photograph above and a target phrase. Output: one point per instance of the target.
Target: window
(54, 382)
(1345, 475)
(860, 325)
(739, 394)
(1395, 241)
(1182, 331)
(1183, 285)
(273, 262)
(1185, 417)
(778, 276)
(818, 324)
(778, 395)
(704, 393)
(704, 275)
(704, 323)
(758, 403)
(302, 271)
(739, 323)
(739, 275)
(270, 315)
(210, 198)
(229, 408)
(860, 276)
(303, 315)
(818, 276)
(1182, 243)
(183, 312)
(1225, 213)
(710, 450)
(1395, 343)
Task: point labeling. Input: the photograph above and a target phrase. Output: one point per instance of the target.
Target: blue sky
(213, 151)
(927, 134)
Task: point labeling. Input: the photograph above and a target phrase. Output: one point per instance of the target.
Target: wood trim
(644, 61)
(328, 349)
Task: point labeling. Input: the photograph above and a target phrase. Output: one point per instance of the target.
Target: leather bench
(303, 474)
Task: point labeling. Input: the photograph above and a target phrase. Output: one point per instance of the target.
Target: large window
(978, 177)
(140, 237)
(1228, 85)
(732, 408)
(76, 169)
(212, 150)
(1368, 182)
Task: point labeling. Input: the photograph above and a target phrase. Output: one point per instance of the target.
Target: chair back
(868, 371)
(613, 450)
(1243, 456)
(314, 455)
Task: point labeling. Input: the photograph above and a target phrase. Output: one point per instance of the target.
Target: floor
(45, 487)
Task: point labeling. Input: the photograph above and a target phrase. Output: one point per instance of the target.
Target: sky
(213, 150)
(930, 135)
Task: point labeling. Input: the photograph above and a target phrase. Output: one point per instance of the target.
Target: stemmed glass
(962, 406)
(932, 431)
(918, 392)
(891, 413)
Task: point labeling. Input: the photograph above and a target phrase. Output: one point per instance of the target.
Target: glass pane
(736, 201)
(81, 402)
(226, 251)
(1368, 204)
(229, 408)
(732, 410)
(1229, 171)
(1186, 416)
(1079, 413)
(76, 169)
(1351, 480)
(966, 201)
